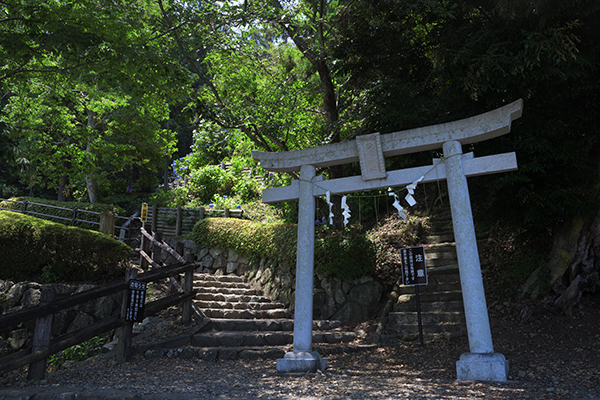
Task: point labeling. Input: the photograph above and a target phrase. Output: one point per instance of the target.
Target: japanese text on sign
(414, 270)
(136, 300)
(144, 215)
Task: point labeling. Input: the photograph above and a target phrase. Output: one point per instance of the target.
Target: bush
(347, 255)
(208, 181)
(33, 249)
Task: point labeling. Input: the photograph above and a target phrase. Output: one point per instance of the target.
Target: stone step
(236, 291)
(238, 305)
(233, 298)
(451, 276)
(439, 306)
(432, 286)
(429, 318)
(219, 353)
(439, 238)
(218, 278)
(267, 325)
(219, 284)
(245, 353)
(264, 338)
(431, 297)
(245, 314)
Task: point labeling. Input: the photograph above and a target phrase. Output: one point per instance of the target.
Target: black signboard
(136, 300)
(414, 270)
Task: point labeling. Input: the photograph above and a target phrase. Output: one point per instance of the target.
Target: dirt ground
(551, 356)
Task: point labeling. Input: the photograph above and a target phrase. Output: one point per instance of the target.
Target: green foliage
(8, 191)
(344, 254)
(209, 180)
(32, 247)
(79, 352)
(84, 97)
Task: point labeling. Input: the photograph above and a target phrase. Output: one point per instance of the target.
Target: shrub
(347, 254)
(210, 180)
(33, 248)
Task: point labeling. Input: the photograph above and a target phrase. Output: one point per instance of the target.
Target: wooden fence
(105, 222)
(44, 346)
(168, 221)
(181, 221)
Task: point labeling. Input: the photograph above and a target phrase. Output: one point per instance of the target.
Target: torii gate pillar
(481, 363)
(303, 359)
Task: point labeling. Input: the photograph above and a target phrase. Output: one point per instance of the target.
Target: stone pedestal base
(301, 361)
(482, 367)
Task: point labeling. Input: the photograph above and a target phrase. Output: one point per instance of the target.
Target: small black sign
(136, 300)
(414, 270)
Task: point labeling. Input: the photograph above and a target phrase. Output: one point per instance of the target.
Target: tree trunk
(62, 188)
(90, 180)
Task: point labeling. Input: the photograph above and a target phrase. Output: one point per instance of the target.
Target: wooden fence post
(186, 318)
(154, 218)
(41, 337)
(201, 213)
(107, 223)
(126, 331)
(226, 213)
(179, 221)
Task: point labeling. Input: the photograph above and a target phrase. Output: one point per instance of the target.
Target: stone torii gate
(481, 363)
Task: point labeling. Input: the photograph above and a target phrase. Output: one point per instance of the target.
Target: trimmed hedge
(347, 254)
(96, 207)
(35, 249)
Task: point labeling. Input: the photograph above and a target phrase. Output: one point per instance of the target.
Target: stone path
(242, 323)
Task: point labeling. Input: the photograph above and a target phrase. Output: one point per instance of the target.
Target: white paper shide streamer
(397, 204)
(411, 191)
(330, 204)
(346, 212)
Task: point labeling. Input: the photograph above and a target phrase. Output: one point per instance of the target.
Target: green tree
(87, 106)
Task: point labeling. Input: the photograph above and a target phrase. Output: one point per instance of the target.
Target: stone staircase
(241, 323)
(442, 312)
(228, 296)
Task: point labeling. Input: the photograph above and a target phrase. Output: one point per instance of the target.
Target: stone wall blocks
(215, 252)
(220, 261)
(81, 321)
(232, 255)
(18, 338)
(207, 261)
(232, 267)
(368, 294)
(202, 252)
(31, 297)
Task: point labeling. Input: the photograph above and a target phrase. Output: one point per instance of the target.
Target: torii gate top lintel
(469, 130)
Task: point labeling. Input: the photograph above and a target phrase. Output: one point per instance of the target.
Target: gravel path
(394, 372)
(551, 357)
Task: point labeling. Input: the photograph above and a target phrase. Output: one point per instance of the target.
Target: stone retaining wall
(334, 298)
(17, 296)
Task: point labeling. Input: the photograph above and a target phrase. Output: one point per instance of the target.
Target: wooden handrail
(24, 357)
(27, 314)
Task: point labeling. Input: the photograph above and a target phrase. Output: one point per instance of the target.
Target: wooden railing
(43, 346)
(105, 222)
(181, 221)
